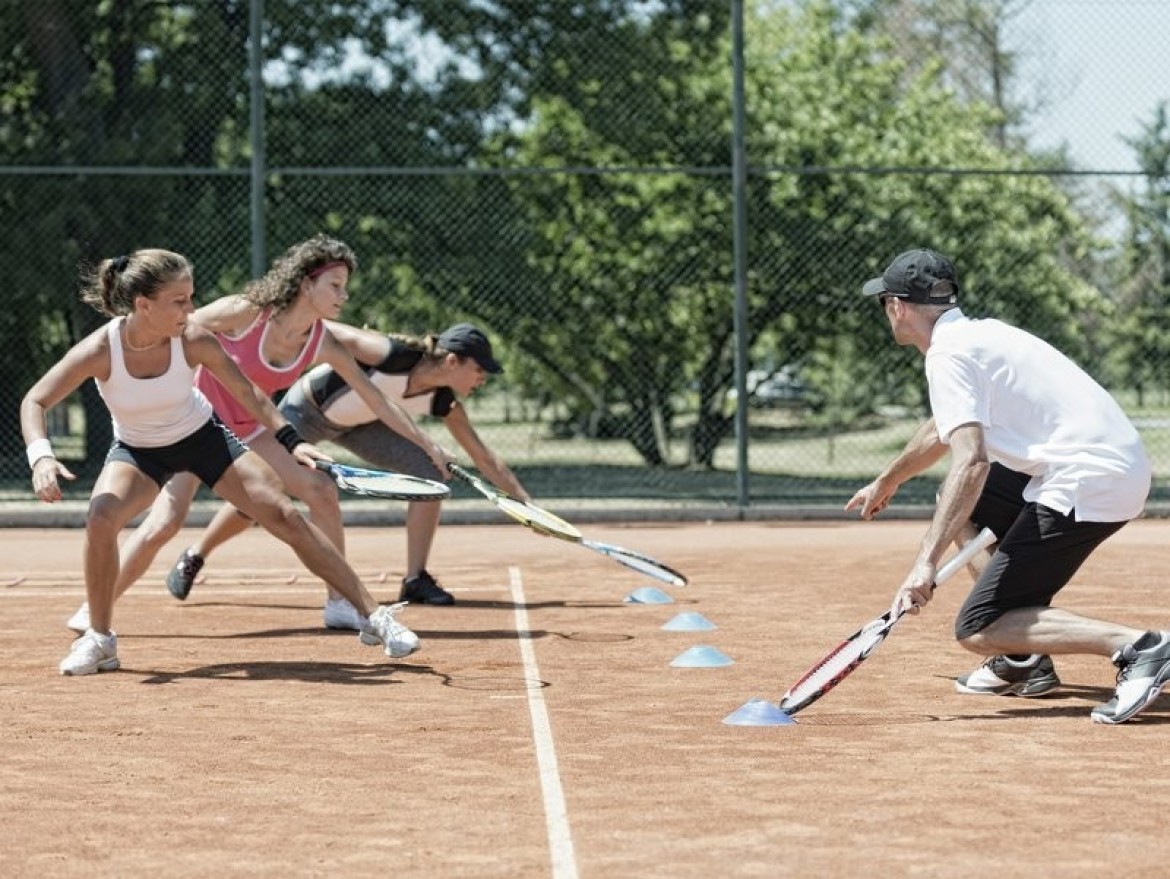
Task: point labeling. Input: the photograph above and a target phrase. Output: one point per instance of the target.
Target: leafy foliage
(557, 172)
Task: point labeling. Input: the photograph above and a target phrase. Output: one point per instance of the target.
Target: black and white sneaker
(183, 574)
(1143, 668)
(1011, 676)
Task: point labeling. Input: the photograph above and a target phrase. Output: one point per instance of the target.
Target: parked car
(779, 389)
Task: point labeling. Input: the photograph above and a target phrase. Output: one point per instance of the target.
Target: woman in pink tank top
(274, 331)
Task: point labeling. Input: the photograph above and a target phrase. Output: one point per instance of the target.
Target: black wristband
(288, 437)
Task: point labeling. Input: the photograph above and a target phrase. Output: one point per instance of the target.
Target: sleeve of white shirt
(959, 393)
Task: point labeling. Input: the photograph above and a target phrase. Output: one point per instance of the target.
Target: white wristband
(37, 449)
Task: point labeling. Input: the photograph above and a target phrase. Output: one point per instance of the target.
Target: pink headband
(320, 270)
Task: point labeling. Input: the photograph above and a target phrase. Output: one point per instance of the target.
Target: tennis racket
(544, 522)
(384, 483)
(638, 561)
(529, 515)
(850, 653)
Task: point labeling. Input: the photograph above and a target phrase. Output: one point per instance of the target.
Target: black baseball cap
(469, 341)
(923, 276)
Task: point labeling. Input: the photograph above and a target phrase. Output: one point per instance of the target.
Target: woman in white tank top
(273, 331)
(143, 362)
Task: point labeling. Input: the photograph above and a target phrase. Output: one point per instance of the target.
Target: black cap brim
(489, 364)
(874, 287)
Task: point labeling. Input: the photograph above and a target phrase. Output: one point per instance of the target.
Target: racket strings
(542, 520)
(389, 485)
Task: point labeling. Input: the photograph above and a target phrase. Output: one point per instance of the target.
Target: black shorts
(1039, 551)
(207, 453)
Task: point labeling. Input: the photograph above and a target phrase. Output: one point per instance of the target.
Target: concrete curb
(71, 514)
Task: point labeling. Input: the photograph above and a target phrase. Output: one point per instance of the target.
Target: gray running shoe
(1003, 676)
(183, 574)
(1142, 670)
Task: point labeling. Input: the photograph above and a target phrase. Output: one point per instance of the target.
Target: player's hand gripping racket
(840, 662)
(544, 522)
(384, 483)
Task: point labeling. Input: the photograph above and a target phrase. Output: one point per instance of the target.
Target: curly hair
(280, 284)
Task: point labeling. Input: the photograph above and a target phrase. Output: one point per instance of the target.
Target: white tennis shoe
(385, 629)
(79, 622)
(1004, 676)
(1143, 668)
(91, 653)
(340, 614)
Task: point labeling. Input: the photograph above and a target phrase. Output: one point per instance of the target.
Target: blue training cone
(689, 622)
(758, 712)
(702, 656)
(648, 595)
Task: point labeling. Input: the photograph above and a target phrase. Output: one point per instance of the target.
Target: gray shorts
(1039, 551)
(374, 443)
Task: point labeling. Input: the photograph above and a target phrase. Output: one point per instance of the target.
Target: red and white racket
(850, 653)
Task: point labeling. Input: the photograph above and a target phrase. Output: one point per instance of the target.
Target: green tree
(150, 103)
(639, 265)
(106, 85)
(977, 49)
(1140, 353)
(585, 212)
(606, 266)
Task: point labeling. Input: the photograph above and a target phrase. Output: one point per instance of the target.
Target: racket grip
(972, 548)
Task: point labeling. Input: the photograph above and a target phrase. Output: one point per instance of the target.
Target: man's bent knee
(976, 643)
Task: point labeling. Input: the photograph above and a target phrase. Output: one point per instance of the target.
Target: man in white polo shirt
(1042, 455)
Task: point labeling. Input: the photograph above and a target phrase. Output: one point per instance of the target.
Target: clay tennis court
(542, 731)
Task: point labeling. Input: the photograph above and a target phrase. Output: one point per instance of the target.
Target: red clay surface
(541, 730)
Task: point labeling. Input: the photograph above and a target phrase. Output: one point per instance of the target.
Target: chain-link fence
(563, 175)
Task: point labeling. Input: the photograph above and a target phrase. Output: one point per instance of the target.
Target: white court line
(238, 591)
(51, 591)
(560, 841)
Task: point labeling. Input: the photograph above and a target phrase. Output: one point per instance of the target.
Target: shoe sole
(435, 601)
(111, 664)
(1153, 693)
(394, 654)
(177, 592)
(372, 640)
(346, 625)
(1025, 691)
